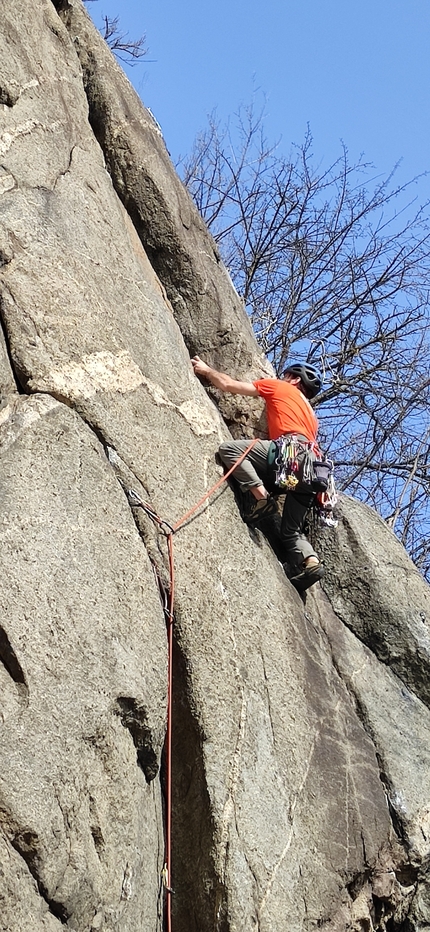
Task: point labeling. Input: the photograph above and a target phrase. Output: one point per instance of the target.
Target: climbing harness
(168, 604)
(295, 460)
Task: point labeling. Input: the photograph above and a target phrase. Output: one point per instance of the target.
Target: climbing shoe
(259, 509)
(307, 577)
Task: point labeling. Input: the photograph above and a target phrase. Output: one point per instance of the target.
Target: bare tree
(127, 50)
(333, 265)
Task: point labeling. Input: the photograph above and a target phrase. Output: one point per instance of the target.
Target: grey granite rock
(181, 250)
(280, 817)
(83, 674)
(398, 723)
(378, 592)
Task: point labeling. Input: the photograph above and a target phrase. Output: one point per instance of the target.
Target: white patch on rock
(23, 129)
(201, 421)
(127, 886)
(117, 372)
(4, 415)
(34, 412)
(25, 87)
(155, 122)
(18, 416)
(7, 182)
(97, 372)
(157, 393)
(398, 802)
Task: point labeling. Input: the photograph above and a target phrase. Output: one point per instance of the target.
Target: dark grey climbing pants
(254, 471)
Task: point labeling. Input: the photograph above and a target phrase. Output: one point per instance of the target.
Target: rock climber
(289, 413)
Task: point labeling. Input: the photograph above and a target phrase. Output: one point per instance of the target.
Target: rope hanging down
(169, 530)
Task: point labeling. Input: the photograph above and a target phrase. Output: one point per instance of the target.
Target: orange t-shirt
(288, 411)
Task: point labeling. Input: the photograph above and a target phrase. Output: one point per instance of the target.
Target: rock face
(300, 734)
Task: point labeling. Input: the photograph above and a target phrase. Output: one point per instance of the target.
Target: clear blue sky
(356, 70)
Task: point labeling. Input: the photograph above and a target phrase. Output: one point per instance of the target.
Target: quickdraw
(325, 503)
(286, 462)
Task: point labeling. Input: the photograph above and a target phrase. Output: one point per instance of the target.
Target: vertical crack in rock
(65, 171)
(12, 376)
(134, 717)
(10, 660)
(26, 843)
(394, 803)
(200, 901)
(95, 827)
(268, 700)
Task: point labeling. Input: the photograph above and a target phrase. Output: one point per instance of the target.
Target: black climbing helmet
(308, 375)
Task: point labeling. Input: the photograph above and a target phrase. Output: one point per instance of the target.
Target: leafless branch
(127, 50)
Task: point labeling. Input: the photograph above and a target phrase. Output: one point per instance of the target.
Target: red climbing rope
(168, 851)
(195, 508)
(169, 530)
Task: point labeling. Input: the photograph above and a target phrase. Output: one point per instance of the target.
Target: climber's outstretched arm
(221, 380)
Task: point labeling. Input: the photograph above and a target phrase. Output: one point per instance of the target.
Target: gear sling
(294, 459)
